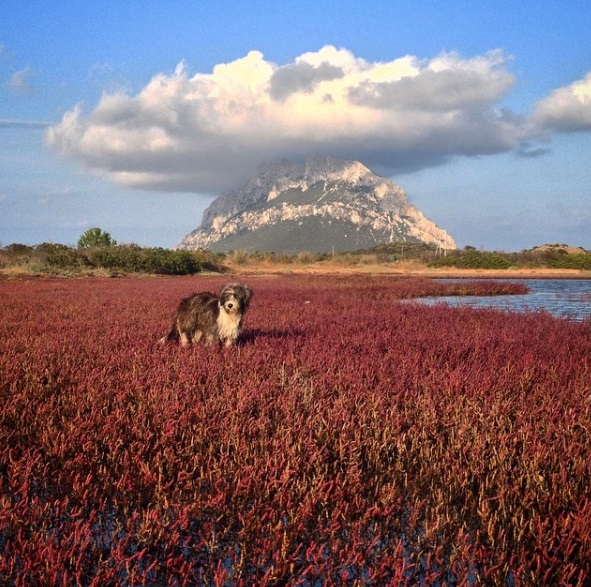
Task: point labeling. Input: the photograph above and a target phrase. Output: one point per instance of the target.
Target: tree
(95, 237)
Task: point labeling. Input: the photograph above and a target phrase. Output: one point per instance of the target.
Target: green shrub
(167, 262)
(570, 261)
(131, 258)
(473, 259)
(59, 256)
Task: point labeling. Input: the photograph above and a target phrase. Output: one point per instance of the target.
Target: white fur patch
(228, 325)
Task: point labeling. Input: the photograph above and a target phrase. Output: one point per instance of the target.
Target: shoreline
(407, 270)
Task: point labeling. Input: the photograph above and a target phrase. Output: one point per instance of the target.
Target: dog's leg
(172, 335)
(184, 339)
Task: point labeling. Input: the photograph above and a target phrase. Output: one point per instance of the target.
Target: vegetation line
(98, 253)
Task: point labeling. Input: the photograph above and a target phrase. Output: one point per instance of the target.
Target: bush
(238, 257)
(59, 256)
(167, 262)
(570, 261)
(15, 254)
(473, 259)
(150, 260)
(305, 258)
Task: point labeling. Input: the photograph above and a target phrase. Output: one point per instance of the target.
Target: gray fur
(210, 318)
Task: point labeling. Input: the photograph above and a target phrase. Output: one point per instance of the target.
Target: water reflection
(565, 298)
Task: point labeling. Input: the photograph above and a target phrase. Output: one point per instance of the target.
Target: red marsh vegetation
(350, 439)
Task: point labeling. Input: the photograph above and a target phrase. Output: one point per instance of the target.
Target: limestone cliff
(325, 204)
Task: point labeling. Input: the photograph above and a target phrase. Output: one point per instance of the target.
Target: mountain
(323, 205)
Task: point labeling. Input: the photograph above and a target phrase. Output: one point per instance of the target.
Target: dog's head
(235, 298)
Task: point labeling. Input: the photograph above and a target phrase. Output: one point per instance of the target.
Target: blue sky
(132, 116)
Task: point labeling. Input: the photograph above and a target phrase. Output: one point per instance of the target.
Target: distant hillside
(559, 249)
(323, 205)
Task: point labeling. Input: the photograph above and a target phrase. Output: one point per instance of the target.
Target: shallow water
(565, 298)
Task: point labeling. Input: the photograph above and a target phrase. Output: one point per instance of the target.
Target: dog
(205, 316)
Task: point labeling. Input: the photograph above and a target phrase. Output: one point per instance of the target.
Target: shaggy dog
(209, 317)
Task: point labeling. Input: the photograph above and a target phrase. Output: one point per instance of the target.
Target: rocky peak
(278, 176)
(337, 197)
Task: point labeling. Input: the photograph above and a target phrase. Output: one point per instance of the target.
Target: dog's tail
(172, 335)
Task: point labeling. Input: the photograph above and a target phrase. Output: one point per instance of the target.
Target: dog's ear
(248, 293)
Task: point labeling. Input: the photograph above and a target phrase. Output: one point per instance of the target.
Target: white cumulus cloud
(567, 109)
(209, 131)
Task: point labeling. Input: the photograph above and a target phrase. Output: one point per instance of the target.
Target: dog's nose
(230, 305)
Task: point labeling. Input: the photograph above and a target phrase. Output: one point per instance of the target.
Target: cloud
(301, 77)
(27, 124)
(20, 81)
(445, 84)
(209, 131)
(527, 151)
(567, 109)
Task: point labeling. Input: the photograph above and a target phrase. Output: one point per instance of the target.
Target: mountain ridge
(347, 205)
